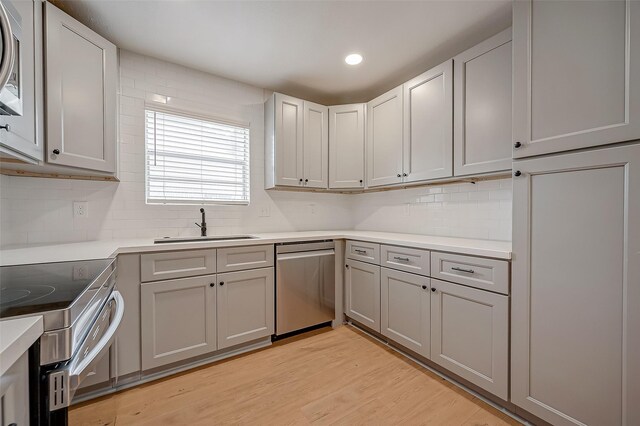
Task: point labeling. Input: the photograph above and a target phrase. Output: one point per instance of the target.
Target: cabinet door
(405, 309)
(363, 293)
(576, 287)
(316, 145)
(178, 320)
(346, 146)
(576, 71)
(470, 335)
(24, 135)
(14, 393)
(482, 107)
(288, 140)
(384, 139)
(428, 125)
(81, 85)
(245, 306)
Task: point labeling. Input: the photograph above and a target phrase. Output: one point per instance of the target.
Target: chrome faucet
(203, 225)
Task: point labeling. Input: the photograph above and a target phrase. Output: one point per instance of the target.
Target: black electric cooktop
(36, 288)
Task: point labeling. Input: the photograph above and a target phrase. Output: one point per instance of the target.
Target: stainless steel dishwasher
(305, 285)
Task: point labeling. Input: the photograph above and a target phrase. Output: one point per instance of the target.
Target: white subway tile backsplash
(35, 210)
(481, 210)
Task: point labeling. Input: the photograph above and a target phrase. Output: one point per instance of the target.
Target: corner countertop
(16, 336)
(25, 254)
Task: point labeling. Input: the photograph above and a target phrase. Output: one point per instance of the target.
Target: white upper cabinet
(81, 90)
(384, 139)
(428, 125)
(576, 74)
(24, 135)
(289, 116)
(296, 140)
(315, 145)
(346, 146)
(575, 311)
(482, 107)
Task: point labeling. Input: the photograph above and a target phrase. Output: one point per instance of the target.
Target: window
(191, 160)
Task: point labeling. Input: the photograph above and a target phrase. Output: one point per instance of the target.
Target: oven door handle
(77, 372)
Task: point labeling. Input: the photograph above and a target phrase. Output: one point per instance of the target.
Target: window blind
(195, 161)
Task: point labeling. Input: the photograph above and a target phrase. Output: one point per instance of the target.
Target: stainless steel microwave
(11, 95)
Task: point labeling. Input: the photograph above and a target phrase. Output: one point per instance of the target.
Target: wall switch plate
(265, 211)
(80, 209)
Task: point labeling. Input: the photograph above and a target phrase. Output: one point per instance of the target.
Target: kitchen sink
(195, 239)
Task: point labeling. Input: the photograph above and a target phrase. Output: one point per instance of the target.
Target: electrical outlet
(80, 273)
(265, 211)
(80, 209)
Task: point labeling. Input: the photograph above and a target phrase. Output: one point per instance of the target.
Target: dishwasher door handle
(305, 254)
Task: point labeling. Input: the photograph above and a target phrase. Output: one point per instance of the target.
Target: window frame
(196, 116)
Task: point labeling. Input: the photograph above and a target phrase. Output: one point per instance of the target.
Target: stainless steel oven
(11, 95)
(81, 311)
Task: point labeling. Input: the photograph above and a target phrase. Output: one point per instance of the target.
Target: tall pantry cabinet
(575, 314)
(576, 287)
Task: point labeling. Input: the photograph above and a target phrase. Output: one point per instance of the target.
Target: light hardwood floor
(337, 376)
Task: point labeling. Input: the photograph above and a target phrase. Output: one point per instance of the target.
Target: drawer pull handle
(360, 251)
(468, 271)
(403, 259)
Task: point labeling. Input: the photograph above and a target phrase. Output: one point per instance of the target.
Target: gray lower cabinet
(245, 306)
(575, 345)
(405, 309)
(576, 75)
(14, 393)
(178, 320)
(362, 286)
(470, 335)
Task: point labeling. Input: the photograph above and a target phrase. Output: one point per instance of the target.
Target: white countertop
(16, 336)
(19, 255)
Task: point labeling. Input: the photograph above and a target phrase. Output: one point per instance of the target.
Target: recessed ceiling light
(353, 59)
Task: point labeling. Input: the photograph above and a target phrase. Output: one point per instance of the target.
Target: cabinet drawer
(177, 264)
(366, 252)
(241, 258)
(405, 259)
(485, 274)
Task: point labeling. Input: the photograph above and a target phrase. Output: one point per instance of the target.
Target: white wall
(35, 210)
(481, 210)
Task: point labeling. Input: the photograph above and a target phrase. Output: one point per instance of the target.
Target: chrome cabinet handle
(469, 271)
(403, 259)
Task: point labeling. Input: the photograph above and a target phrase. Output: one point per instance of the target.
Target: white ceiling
(298, 47)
